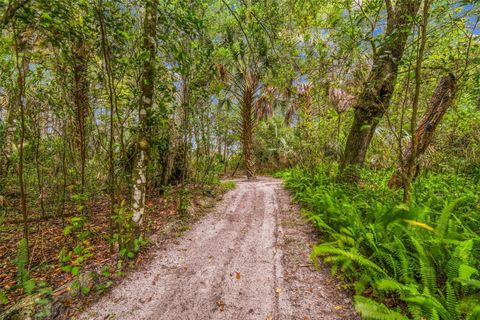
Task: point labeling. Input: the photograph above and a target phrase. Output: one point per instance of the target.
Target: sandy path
(248, 259)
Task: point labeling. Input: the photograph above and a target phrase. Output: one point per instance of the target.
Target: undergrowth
(416, 261)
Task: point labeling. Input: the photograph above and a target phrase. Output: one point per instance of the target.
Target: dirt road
(248, 259)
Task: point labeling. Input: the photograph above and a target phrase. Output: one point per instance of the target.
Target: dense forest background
(116, 114)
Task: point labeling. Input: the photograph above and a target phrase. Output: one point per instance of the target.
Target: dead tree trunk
(378, 90)
(147, 86)
(248, 120)
(438, 105)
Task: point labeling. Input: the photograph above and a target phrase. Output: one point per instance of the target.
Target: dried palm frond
(264, 104)
(222, 72)
(341, 99)
(304, 101)
(290, 112)
(3, 102)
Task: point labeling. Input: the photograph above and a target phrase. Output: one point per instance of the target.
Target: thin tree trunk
(438, 105)
(6, 152)
(22, 68)
(185, 128)
(80, 95)
(248, 120)
(64, 172)
(112, 98)
(378, 90)
(145, 105)
(37, 168)
(410, 163)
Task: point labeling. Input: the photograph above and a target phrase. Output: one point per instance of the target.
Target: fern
(444, 219)
(370, 309)
(366, 238)
(430, 305)
(451, 302)
(354, 256)
(474, 314)
(427, 271)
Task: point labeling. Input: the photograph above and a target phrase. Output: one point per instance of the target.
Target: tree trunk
(410, 163)
(80, 97)
(139, 175)
(22, 68)
(378, 90)
(40, 182)
(185, 131)
(7, 147)
(112, 98)
(248, 120)
(438, 105)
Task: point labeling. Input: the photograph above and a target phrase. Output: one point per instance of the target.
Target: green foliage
(227, 185)
(3, 297)
(125, 236)
(423, 255)
(78, 250)
(370, 309)
(23, 274)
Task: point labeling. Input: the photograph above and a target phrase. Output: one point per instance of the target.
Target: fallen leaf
(278, 290)
(221, 305)
(237, 275)
(339, 307)
(269, 317)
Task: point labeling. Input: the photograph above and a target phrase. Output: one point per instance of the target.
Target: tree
(145, 103)
(378, 89)
(438, 105)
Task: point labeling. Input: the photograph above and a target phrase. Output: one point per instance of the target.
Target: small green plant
(74, 255)
(125, 236)
(23, 274)
(184, 201)
(3, 297)
(227, 185)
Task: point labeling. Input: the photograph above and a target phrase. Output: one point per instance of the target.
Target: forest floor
(162, 221)
(247, 259)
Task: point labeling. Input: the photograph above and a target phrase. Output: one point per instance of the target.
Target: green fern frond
(354, 256)
(444, 218)
(427, 271)
(370, 309)
(395, 286)
(474, 314)
(429, 303)
(21, 261)
(452, 302)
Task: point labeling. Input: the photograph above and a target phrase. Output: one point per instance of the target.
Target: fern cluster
(422, 258)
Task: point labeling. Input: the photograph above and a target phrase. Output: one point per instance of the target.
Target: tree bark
(139, 175)
(248, 120)
(21, 100)
(112, 98)
(438, 105)
(80, 97)
(6, 152)
(410, 163)
(378, 90)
